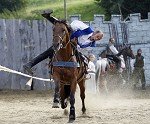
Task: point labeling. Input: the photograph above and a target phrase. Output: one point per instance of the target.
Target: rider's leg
(82, 58)
(48, 53)
(47, 14)
(117, 60)
(85, 60)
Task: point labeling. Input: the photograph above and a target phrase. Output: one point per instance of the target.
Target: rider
(112, 54)
(84, 34)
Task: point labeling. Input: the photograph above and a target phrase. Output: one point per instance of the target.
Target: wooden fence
(20, 41)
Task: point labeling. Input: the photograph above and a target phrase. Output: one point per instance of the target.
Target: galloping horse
(104, 70)
(67, 73)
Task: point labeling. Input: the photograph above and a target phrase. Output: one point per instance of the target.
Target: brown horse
(67, 73)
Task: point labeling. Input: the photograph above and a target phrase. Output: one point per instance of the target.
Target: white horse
(102, 66)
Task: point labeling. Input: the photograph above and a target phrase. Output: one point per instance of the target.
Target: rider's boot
(48, 53)
(47, 14)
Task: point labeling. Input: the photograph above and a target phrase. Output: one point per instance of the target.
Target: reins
(64, 41)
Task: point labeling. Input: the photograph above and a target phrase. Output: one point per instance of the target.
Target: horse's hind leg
(82, 95)
(105, 86)
(56, 96)
(64, 94)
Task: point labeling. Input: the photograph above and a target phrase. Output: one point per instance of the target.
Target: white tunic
(115, 51)
(75, 25)
(90, 83)
(91, 67)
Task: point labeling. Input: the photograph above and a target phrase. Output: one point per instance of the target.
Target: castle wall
(134, 31)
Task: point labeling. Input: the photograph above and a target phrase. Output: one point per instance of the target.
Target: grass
(86, 8)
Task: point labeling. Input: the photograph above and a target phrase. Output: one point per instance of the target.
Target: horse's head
(127, 51)
(60, 35)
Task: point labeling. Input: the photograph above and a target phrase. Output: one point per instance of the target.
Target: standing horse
(67, 73)
(104, 70)
(101, 74)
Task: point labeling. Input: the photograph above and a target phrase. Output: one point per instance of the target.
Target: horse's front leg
(72, 101)
(56, 95)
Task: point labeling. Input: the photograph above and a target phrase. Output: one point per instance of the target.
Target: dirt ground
(35, 107)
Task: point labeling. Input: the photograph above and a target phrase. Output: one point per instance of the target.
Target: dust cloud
(121, 106)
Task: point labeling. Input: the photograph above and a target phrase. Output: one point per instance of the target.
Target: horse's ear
(130, 46)
(125, 45)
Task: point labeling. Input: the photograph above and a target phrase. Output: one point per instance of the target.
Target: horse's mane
(122, 51)
(64, 21)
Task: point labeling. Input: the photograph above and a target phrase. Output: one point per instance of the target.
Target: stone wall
(134, 31)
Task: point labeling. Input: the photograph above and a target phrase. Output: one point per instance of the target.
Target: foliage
(12, 5)
(136, 6)
(86, 8)
(125, 7)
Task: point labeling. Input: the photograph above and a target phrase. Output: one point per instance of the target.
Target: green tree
(12, 5)
(125, 7)
(136, 6)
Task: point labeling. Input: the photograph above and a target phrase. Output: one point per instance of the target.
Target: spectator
(138, 70)
(90, 82)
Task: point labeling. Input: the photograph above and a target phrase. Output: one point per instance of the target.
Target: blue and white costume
(82, 32)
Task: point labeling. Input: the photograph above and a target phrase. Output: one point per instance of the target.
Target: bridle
(61, 46)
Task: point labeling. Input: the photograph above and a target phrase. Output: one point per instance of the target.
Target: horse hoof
(72, 114)
(55, 105)
(71, 118)
(63, 106)
(83, 110)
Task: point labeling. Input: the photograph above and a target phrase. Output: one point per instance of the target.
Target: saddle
(82, 58)
(79, 56)
(114, 60)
